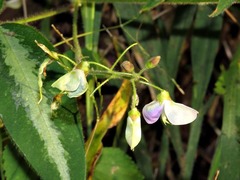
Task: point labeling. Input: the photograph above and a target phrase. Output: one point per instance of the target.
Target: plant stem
(100, 30)
(78, 52)
(152, 85)
(120, 57)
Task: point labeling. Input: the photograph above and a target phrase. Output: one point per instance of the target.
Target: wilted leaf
(113, 114)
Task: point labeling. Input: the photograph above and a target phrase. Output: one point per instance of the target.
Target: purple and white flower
(170, 111)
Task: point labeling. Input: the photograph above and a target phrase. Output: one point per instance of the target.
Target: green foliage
(14, 165)
(115, 164)
(202, 58)
(226, 157)
(1, 5)
(29, 123)
(221, 6)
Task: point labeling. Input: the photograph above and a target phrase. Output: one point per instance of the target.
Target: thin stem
(99, 86)
(135, 96)
(89, 33)
(95, 127)
(61, 35)
(92, 135)
(98, 64)
(78, 52)
(152, 85)
(24, 9)
(120, 57)
(142, 71)
(67, 58)
(113, 74)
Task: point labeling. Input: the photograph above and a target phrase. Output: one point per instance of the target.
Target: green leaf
(115, 164)
(91, 15)
(226, 158)
(1, 5)
(28, 123)
(204, 46)
(221, 7)
(14, 165)
(67, 120)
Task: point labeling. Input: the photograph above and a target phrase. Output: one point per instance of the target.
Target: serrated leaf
(14, 165)
(221, 7)
(115, 164)
(28, 123)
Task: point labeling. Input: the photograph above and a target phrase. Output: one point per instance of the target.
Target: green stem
(43, 15)
(104, 82)
(98, 64)
(113, 74)
(89, 33)
(135, 96)
(120, 57)
(78, 52)
(67, 58)
(152, 85)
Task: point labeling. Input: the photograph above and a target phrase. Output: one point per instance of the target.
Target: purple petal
(152, 111)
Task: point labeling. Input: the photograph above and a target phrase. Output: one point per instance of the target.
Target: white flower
(133, 131)
(73, 83)
(171, 112)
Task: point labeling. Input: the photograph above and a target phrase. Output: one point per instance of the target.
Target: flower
(170, 111)
(133, 131)
(73, 83)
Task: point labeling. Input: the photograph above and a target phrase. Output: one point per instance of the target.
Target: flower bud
(133, 131)
(127, 66)
(153, 62)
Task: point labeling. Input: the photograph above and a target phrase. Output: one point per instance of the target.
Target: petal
(179, 114)
(152, 111)
(133, 132)
(70, 81)
(83, 86)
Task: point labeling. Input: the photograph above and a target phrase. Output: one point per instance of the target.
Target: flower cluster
(74, 84)
(164, 107)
